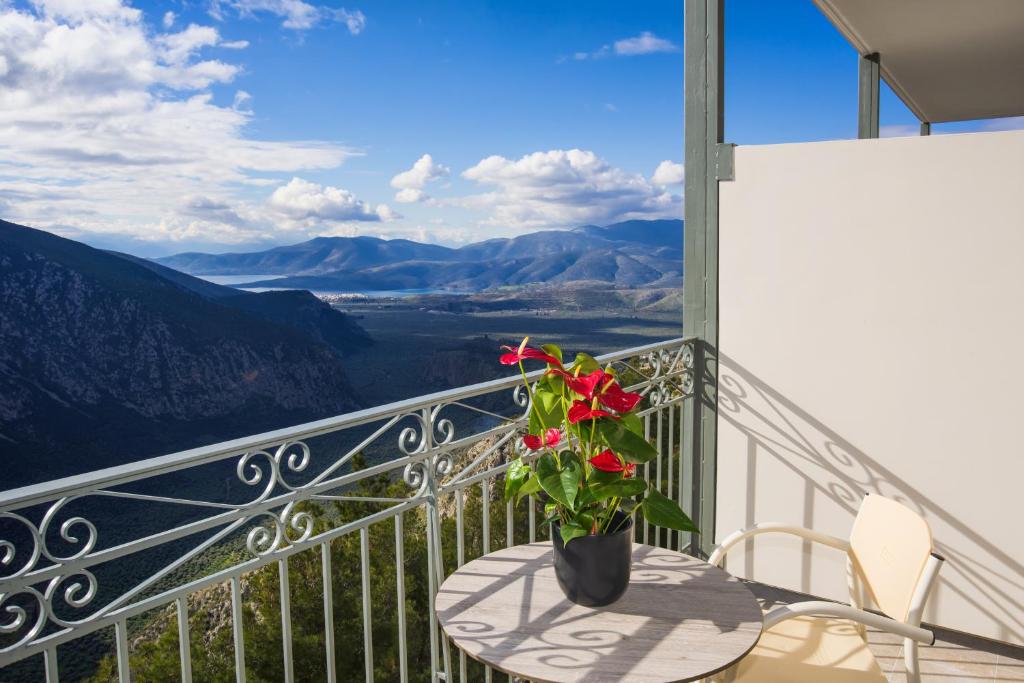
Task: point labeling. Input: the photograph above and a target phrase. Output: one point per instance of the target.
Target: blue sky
(226, 125)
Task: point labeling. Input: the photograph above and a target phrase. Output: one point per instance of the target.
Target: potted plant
(585, 441)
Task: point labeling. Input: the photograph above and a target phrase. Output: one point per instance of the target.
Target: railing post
(704, 135)
(869, 78)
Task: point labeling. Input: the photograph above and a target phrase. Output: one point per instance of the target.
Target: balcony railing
(99, 552)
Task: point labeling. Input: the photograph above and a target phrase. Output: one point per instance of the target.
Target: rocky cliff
(104, 361)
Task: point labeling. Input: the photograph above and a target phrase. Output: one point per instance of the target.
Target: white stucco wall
(872, 339)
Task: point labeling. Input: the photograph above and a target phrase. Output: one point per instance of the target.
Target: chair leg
(911, 661)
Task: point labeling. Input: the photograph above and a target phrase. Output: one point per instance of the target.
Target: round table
(681, 619)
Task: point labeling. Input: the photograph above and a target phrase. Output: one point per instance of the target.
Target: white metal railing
(56, 538)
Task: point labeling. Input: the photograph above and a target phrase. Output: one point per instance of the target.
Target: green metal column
(704, 130)
(926, 128)
(867, 100)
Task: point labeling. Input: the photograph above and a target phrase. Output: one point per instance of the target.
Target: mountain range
(628, 254)
(107, 358)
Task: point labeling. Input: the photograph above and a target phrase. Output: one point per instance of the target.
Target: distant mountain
(628, 254)
(104, 360)
(318, 255)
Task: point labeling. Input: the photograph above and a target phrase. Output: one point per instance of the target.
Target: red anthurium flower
(618, 400)
(588, 385)
(551, 438)
(584, 385)
(525, 353)
(607, 461)
(581, 410)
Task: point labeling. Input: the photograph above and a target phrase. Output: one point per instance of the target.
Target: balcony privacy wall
(872, 340)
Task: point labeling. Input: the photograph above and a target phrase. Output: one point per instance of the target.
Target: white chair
(890, 560)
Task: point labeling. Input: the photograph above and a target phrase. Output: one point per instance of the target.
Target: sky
(235, 125)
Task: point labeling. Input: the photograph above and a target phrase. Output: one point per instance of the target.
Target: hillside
(629, 254)
(103, 360)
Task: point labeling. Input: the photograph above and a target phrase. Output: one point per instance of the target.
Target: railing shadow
(537, 629)
(832, 466)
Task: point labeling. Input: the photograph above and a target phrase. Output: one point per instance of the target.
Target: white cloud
(106, 125)
(563, 188)
(77, 11)
(644, 44)
(411, 183)
(411, 195)
(668, 173)
(297, 14)
(242, 100)
(301, 199)
(1011, 123)
(899, 131)
(168, 19)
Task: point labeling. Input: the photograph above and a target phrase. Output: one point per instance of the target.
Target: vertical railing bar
(509, 526)
(657, 468)
(460, 559)
(682, 474)
(647, 471)
(328, 579)
(403, 636)
(50, 662)
(431, 591)
(184, 642)
(364, 562)
(670, 457)
(236, 629)
(460, 530)
(124, 671)
(485, 514)
(286, 621)
(533, 519)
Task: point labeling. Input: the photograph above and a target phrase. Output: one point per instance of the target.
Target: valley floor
(419, 348)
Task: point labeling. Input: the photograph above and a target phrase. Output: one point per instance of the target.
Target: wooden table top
(680, 620)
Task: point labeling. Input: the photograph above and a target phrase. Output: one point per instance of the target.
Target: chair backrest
(889, 548)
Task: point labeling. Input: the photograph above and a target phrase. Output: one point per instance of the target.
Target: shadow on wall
(977, 569)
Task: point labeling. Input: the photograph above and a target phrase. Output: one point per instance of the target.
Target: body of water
(234, 280)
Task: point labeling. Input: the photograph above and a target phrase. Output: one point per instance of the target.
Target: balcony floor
(954, 658)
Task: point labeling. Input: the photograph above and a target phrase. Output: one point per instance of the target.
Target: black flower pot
(594, 570)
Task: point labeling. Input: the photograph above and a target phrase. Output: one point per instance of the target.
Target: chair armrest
(820, 608)
(775, 527)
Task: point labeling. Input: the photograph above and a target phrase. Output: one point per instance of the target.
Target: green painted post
(926, 128)
(704, 131)
(867, 100)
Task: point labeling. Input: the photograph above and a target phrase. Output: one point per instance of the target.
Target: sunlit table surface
(680, 620)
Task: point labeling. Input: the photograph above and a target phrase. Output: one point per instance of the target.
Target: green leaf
(549, 405)
(551, 507)
(585, 520)
(572, 530)
(621, 488)
(552, 350)
(531, 487)
(632, 447)
(633, 423)
(664, 512)
(515, 477)
(561, 484)
(603, 485)
(585, 363)
(549, 520)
